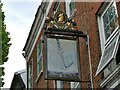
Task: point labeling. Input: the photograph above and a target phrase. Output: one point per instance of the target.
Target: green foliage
(4, 44)
(1, 82)
(2, 73)
(4, 38)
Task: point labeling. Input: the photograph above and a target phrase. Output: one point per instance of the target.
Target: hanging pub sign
(62, 59)
(61, 48)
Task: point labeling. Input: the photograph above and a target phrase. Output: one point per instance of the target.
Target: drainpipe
(91, 80)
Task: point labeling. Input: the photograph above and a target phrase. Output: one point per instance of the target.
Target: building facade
(99, 54)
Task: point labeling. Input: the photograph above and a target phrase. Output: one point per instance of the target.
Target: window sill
(111, 76)
(38, 77)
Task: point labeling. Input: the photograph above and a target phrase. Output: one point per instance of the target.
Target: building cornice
(36, 28)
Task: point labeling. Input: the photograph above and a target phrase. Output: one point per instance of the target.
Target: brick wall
(87, 22)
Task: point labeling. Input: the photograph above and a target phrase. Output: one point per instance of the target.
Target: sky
(19, 16)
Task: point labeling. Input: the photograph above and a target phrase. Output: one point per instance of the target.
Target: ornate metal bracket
(60, 20)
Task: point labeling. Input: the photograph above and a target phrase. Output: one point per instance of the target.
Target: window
(109, 35)
(57, 6)
(109, 53)
(75, 86)
(107, 22)
(60, 85)
(39, 57)
(30, 75)
(70, 7)
(110, 20)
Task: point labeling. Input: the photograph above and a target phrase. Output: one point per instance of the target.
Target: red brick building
(100, 55)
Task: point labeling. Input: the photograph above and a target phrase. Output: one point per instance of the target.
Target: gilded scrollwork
(60, 20)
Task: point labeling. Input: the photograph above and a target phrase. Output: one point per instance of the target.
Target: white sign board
(62, 59)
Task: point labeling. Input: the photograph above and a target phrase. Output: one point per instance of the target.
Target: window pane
(72, 6)
(107, 31)
(105, 19)
(39, 49)
(60, 85)
(110, 12)
(112, 25)
(109, 69)
(110, 20)
(40, 65)
(116, 20)
(39, 59)
(59, 8)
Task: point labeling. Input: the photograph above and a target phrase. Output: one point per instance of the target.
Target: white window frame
(113, 54)
(74, 85)
(60, 85)
(105, 43)
(40, 57)
(68, 12)
(101, 26)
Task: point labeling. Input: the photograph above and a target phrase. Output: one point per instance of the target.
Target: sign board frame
(54, 57)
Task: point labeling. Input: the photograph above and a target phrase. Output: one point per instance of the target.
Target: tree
(1, 82)
(2, 73)
(4, 44)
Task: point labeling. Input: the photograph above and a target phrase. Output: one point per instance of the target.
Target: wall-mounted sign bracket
(61, 49)
(65, 32)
